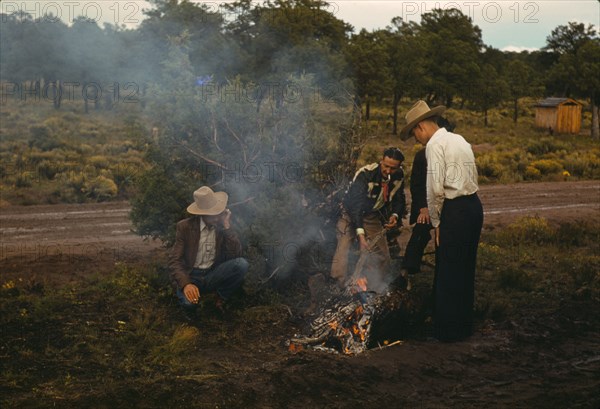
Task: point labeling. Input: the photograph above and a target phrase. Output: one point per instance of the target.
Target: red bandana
(386, 191)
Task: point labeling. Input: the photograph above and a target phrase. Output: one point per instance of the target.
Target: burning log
(355, 321)
(344, 326)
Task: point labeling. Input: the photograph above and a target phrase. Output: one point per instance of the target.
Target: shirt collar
(204, 225)
(437, 134)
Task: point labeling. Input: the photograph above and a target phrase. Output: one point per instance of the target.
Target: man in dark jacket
(374, 201)
(206, 257)
(419, 214)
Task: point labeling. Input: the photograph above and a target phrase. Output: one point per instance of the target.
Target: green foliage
(275, 156)
(530, 262)
(159, 202)
(527, 230)
(547, 166)
(546, 145)
(100, 188)
(453, 47)
(59, 163)
(583, 164)
(368, 55)
(488, 167)
(532, 173)
(515, 279)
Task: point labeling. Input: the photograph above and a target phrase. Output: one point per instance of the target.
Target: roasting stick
(399, 342)
(360, 264)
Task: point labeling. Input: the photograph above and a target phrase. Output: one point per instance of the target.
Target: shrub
(515, 279)
(47, 169)
(100, 188)
(99, 161)
(24, 179)
(527, 230)
(547, 166)
(490, 256)
(489, 166)
(546, 145)
(41, 137)
(583, 164)
(532, 173)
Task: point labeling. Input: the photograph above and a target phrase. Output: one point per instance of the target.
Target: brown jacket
(185, 250)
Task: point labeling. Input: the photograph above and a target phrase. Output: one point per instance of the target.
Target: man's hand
(192, 293)
(364, 246)
(226, 221)
(391, 222)
(423, 217)
(437, 236)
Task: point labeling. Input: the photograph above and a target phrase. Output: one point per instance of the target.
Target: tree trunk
(368, 109)
(56, 94)
(395, 103)
(358, 104)
(485, 117)
(516, 110)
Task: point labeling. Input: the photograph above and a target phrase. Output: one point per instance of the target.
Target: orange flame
(361, 283)
(295, 348)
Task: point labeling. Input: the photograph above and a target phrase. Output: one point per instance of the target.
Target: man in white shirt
(457, 216)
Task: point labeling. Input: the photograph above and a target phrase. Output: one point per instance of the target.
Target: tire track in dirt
(73, 233)
(102, 226)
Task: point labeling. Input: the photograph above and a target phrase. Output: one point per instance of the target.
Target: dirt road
(85, 228)
(75, 239)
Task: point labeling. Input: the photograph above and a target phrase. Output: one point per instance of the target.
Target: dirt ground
(530, 362)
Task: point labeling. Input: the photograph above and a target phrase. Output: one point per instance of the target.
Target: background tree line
(441, 59)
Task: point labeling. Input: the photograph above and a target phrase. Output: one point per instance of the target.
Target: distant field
(66, 156)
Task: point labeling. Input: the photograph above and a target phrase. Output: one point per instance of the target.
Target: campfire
(345, 323)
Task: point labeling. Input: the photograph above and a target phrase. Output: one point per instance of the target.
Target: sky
(508, 25)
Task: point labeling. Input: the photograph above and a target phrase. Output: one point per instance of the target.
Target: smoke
(253, 110)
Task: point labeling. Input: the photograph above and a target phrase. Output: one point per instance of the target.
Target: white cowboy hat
(419, 111)
(207, 202)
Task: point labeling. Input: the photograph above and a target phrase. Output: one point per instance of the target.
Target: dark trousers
(454, 284)
(413, 255)
(223, 279)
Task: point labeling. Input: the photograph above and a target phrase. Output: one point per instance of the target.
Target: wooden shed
(560, 115)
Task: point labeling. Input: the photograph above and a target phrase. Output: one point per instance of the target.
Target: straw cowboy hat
(419, 111)
(207, 202)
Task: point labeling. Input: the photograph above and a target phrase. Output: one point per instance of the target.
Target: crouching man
(206, 257)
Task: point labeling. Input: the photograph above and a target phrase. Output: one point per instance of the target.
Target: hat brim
(218, 208)
(405, 132)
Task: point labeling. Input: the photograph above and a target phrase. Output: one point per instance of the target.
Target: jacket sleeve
(399, 203)
(180, 272)
(232, 247)
(436, 176)
(355, 200)
(418, 181)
